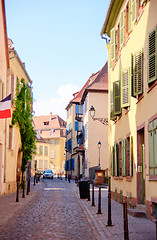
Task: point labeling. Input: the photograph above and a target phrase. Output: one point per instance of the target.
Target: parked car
(39, 172)
(48, 174)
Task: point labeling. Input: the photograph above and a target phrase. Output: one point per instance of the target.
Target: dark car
(48, 174)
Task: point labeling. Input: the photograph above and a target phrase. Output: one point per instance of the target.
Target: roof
(111, 16)
(78, 96)
(50, 126)
(100, 84)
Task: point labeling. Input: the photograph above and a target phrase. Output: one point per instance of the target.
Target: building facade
(132, 28)
(51, 136)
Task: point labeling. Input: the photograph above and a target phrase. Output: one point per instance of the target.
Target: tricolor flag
(5, 107)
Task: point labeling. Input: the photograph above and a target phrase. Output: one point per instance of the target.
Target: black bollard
(99, 202)
(36, 176)
(27, 187)
(109, 222)
(125, 216)
(34, 180)
(17, 192)
(88, 190)
(93, 203)
(23, 187)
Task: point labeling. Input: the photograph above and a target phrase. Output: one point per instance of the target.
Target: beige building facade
(132, 28)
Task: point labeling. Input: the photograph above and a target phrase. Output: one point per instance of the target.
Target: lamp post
(92, 114)
(99, 146)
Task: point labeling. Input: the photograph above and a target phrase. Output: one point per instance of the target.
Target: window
(153, 147)
(46, 150)
(41, 150)
(125, 88)
(53, 142)
(45, 164)
(134, 11)
(122, 158)
(46, 123)
(52, 154)
(40, 164)
(152, 56)
(122, 22)
(116, 98)
(10, 137)
(137, 73)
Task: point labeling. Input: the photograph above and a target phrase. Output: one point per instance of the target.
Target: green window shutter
(138, 73)
(152, 56)
(134, 10)
(112, 161)
(129, 16)
(112, 51)
(155, 151)
(122, 28)
(112, 116)
(116, 98)
(151, 152)
(124, 158)
(125, 88)
(116, 159)
(131, 156)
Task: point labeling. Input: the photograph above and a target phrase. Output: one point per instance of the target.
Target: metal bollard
(23, 187)
(109, 222)
(34, 180)
(126, 232)
(99, 202)
(88, 190)
(93, 203)
(17, 193)
(27, 187)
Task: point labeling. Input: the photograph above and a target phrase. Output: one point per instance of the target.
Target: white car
(48, 174)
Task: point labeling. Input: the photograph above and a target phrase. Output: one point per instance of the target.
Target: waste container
(84, 189)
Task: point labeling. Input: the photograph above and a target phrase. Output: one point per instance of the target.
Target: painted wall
(140, 112)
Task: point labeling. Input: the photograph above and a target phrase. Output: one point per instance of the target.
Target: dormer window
(46, 123)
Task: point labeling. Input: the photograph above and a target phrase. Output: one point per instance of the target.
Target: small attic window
(46, 123)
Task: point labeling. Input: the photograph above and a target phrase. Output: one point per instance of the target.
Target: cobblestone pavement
(54, 210)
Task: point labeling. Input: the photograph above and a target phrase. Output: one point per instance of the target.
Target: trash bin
(84, 189)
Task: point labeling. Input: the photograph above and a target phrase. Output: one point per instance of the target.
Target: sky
(60, 43)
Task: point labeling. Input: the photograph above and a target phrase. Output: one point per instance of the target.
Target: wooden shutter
(124, 158)
(152, 56)
(131, 156)
(112, 116)
(125, 88)
(137, 73)
(122, 27)
(116, 98)
(129, 16)
(151, 152)
(112, 161)
(112, 47)
(134, 10)
(116, 159)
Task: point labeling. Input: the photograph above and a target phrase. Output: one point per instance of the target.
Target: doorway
(140, 167)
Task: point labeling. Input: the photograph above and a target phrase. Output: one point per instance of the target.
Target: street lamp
(99, 146)
(92, 114)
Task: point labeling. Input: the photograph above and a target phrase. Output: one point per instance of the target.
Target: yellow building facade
(51, 136)
(132, 50)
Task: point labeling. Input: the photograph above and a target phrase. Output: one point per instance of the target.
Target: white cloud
(57, 104)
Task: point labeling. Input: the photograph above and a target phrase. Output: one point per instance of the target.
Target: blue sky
(60, 43)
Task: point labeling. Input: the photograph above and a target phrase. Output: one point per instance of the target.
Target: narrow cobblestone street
(53, 210)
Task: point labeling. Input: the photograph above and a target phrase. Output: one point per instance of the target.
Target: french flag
(5, 107)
